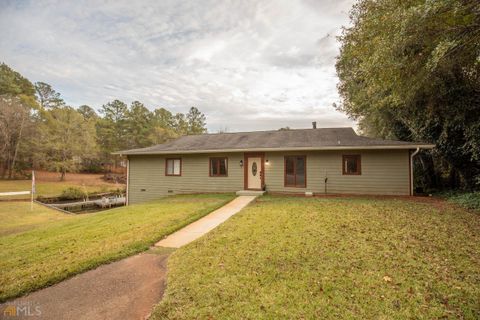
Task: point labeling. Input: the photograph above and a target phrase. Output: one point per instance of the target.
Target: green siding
(148, 172)
(383, 172)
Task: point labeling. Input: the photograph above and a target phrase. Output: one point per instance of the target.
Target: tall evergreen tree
(47, 96)
(112, 130)
(180, 124)
(163, 118)
(195, 121)
(139, 125)
(162, 127)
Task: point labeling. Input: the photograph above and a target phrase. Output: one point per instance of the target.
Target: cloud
(247, 65)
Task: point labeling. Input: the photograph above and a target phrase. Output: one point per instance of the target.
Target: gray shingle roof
(296, 139)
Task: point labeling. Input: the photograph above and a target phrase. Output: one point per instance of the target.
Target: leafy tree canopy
(13, 83)
(57, 137)
(65, 138)
(87, 112)
(410, 69)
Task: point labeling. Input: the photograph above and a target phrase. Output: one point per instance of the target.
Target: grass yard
(48, 185)
(330, 258)
(56, 248)
(16, 217)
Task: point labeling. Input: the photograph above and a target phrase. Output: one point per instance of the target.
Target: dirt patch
(127, 289)
(438, 203)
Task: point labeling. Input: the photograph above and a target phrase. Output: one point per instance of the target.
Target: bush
(466, 200)
(73, 193)
(119, 192)
(92, 168)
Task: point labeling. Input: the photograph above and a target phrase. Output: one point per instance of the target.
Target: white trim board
(14, 193)
(329, 148)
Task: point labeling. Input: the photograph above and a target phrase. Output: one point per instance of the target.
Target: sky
(247, 65)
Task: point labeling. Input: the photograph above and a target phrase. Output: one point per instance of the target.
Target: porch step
(249, 193)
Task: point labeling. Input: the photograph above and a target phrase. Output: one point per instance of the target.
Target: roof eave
(327, 148)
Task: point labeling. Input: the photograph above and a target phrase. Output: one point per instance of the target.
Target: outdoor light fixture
(267, 162)
(241, 163)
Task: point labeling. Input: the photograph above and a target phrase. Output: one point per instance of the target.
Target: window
(173, 167)
(352, 164)
(218, 167)
(295, 171)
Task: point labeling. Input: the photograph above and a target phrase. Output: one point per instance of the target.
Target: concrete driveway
(126, 289)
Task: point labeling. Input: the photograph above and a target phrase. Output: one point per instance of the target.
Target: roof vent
(314, 124)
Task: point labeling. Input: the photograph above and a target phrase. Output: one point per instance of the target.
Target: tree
(14, 122)
(17, 99)
(139, 125)
(37, 128)
(160, 135)
(162, 118)
(112, 131)
(64, 139)
(195, 121)
(47, 96)
(87, 112)
(112, 128)
(410, 69)
(13, 83)
(162, 123)
(180, 124)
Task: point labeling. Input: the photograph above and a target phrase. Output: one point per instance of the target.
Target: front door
(254, 173)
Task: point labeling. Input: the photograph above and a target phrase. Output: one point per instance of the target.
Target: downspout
(411, 169)
(128, 180)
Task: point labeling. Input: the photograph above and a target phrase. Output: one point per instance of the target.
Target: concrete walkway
(200, 227)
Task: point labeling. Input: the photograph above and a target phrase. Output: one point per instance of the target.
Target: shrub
(467, 200)
(73, 193)
(92, 168)
(118, 192)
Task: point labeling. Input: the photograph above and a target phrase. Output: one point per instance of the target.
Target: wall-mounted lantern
(267, 162)
(241, 163)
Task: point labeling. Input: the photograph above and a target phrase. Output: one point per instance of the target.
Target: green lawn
(337, 258)
(55, 250)
(50, 188)
(16, 217)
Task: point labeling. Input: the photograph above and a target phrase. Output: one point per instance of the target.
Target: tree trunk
(452, 178)
(4, 168)
(12, 167)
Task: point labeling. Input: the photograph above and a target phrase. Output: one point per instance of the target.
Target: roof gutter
(330, 148)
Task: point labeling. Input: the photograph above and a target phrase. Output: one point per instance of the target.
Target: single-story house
(318, 161)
